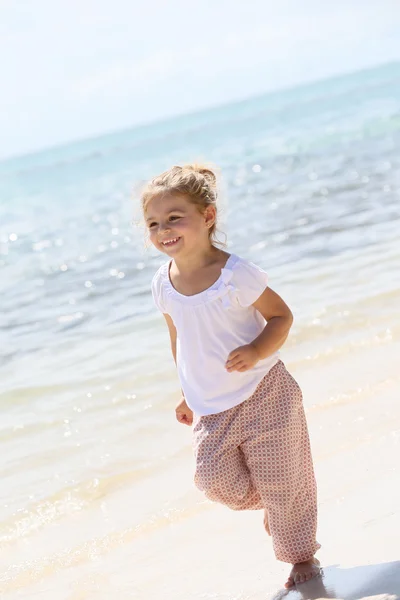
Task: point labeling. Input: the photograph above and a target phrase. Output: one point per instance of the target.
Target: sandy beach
(194, 549)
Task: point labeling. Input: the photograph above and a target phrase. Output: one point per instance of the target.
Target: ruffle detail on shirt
(223, 288)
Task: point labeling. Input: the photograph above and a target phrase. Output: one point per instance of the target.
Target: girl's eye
(152, 225)
(174, 218)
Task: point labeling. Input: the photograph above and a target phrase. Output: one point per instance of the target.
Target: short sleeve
(250, 282)
(157, 289)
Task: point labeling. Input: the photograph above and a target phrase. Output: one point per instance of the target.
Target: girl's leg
(277, 452)
(221, 470)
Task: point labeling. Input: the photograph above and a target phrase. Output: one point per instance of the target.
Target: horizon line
(192, 113)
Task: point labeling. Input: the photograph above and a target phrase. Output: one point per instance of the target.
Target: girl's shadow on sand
(349, 584)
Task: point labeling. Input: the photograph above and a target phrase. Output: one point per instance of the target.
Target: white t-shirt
(209, 326)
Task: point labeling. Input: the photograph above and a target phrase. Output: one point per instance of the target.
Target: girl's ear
(210, 215)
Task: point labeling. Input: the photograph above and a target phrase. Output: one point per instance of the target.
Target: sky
(72, 69)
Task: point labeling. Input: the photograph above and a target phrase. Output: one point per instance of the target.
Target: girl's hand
(183, 413)
(242, 359)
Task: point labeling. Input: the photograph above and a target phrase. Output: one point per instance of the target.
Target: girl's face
(176, 226)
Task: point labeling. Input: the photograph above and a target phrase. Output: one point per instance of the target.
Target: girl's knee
(204, 481)
(234, 494)
(208, 481)
(217, 494)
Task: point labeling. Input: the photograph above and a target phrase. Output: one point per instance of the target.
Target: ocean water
(96, 495)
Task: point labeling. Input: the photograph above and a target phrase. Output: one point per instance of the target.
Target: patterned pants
(257, 456)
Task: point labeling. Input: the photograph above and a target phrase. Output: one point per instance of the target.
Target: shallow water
(96, 495)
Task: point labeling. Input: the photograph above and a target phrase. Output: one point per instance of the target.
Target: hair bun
(203, 170)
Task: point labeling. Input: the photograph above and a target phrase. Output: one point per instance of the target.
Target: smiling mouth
(169, 243)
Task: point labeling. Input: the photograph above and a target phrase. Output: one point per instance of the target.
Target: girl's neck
(199, 260)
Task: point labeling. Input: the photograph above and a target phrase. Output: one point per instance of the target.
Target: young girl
(226, 326)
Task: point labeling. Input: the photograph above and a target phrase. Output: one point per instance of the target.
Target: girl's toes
(289, 583)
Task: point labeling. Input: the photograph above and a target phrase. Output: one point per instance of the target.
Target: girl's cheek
(153, 238)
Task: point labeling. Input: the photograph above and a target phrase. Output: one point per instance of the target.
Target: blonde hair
(197, 182)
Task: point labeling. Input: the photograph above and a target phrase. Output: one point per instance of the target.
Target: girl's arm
(172, 334)
(279, 321)
(183, 412)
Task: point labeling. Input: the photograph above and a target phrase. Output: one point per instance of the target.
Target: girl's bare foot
(303, 571)
(266, 522)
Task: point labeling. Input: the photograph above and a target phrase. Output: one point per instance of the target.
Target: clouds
(70, 70)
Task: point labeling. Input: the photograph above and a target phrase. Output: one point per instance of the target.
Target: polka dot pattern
(257, 456)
